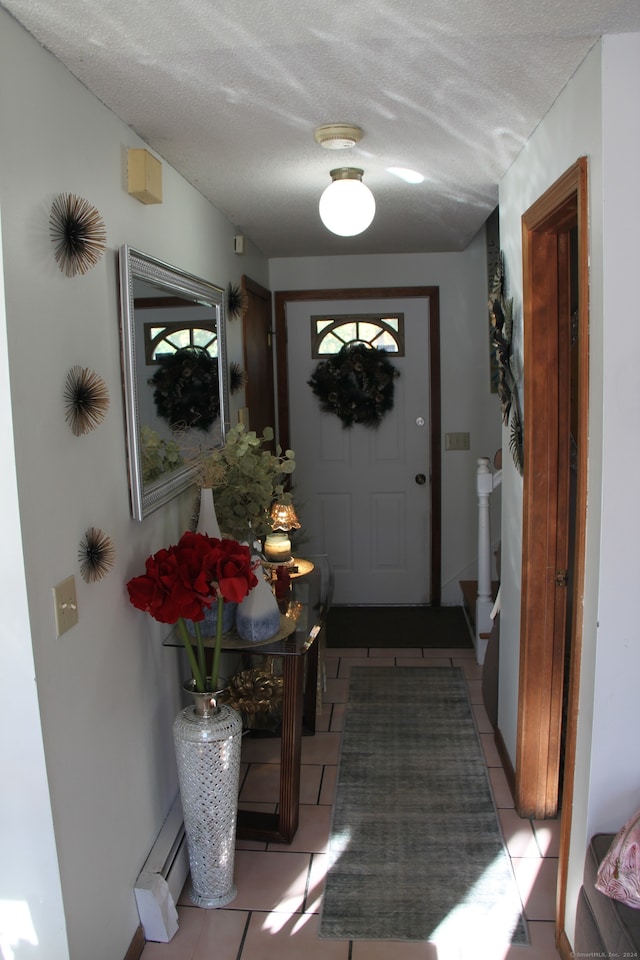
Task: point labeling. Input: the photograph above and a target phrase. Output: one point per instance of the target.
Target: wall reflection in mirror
(174, 362)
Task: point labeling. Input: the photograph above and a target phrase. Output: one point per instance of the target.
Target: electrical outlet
(65, 605)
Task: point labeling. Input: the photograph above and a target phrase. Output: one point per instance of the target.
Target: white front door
(356, 488)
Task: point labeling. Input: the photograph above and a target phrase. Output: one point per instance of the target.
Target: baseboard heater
(162, 878)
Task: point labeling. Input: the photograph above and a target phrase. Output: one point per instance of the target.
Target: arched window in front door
(329, 334)
(164, 339)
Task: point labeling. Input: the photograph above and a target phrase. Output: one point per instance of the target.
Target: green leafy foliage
(247, 477)
(158, 456)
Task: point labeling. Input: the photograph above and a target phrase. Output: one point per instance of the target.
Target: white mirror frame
(133, 265)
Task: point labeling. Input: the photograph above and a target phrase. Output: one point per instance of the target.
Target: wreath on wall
(501, 318)
(186, 390)
(356, 385)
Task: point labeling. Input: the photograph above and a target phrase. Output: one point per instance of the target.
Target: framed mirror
(174, 364)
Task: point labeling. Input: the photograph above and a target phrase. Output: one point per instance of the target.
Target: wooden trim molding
(544, 507)
(535, 795)
(548, 416)
(564, 947)
(136, 946)
(282, 297)
(580, 177)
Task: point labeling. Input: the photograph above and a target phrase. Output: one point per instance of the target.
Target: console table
(299, 652)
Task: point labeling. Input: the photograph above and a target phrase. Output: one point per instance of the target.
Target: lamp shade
(347, 206)
(283, 517)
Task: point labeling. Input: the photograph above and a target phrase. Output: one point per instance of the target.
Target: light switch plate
(65, 605)
(456, 441)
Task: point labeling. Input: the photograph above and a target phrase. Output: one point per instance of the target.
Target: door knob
(420, 479)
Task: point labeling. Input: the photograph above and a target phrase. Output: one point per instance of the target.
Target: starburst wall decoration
(237, 301)
(238, 377)
(79, 233)
(96, 555)
(86, 399)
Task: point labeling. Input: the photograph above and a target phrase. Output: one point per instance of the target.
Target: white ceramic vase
(258, 615)
(207, 520)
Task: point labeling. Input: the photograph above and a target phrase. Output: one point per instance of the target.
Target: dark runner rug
(397, 627)
(416, 851)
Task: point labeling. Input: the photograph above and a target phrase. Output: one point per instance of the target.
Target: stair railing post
(484, 489)
(484, 600)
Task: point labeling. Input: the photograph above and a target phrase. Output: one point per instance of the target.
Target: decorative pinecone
(254, 691)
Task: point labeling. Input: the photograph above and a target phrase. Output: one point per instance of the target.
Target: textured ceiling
(229, 93)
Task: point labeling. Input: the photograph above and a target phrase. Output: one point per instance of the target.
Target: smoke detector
(338, 136)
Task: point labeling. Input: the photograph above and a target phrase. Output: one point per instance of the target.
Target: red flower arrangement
(182, 581)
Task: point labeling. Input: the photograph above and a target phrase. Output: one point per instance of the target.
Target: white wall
(615, 747)
(106, 691)
(592, 117)
(571, 129)
(467, 403)
(30, 893)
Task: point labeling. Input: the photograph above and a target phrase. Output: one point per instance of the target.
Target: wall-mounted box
(145, 176)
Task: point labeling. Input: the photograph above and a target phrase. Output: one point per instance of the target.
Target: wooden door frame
(251, 288)
(282, 297)
(545, 227)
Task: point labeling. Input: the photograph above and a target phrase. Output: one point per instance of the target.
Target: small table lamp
(277, 546)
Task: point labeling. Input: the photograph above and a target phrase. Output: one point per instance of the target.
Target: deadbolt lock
(562, 578)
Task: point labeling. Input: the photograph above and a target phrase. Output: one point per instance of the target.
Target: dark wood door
(258, 356)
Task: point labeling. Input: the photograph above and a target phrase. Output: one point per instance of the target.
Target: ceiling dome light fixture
(338, 136)
(347, 206)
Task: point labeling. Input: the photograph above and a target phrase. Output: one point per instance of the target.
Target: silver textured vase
(207, 740)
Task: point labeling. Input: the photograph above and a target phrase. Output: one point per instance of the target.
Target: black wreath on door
(357, 385)
(186, 391)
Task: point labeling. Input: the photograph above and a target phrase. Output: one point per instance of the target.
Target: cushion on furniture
(618, 925)
(588, 942)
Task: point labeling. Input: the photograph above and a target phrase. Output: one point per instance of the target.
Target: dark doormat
(397, 627)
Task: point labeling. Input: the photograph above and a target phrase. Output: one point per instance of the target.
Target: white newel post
(484, 602)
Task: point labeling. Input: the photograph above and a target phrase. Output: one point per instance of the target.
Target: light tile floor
(276, 911)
